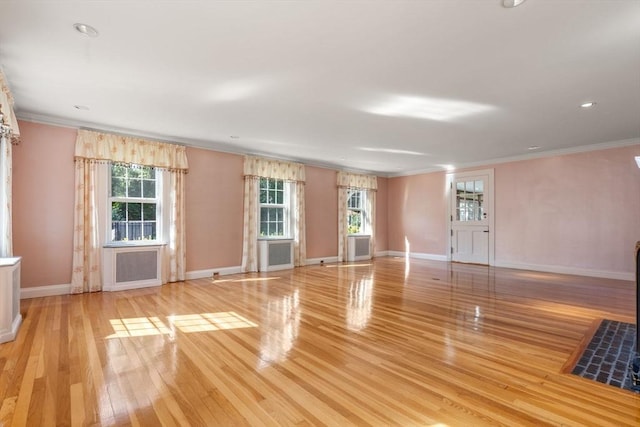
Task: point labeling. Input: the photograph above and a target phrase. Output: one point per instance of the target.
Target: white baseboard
(577, 271)
(381, 254)
(127, 286)
(418, 255)
(45, 291)
(207, 274)
(321, 260)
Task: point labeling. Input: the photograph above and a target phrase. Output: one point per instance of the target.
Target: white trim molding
(210, 272)
(45, 291)
(322, 260)
(418, 255)
(577, 271)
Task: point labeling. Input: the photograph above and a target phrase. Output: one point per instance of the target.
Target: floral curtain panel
(254, 169)
(9, 134)
(6, 238)
(6, 109)
(94, 150)
(86, 275)
(347, 181)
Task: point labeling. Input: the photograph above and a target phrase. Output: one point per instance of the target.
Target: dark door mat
(607, 357)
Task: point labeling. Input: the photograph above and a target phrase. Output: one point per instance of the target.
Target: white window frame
(160, 196)
(364, 214)
(286, 206)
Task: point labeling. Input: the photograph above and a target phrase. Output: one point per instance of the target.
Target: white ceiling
(390, 87)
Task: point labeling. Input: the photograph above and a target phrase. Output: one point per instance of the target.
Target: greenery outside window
(274, 208)
(356, 212)
(134, 203)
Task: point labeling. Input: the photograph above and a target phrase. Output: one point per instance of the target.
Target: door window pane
(469, 201)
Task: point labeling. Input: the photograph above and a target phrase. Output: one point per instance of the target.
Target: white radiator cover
(358, 248)
(275, 254)
(132, 267)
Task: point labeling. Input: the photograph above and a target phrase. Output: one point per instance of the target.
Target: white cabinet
(10, 317)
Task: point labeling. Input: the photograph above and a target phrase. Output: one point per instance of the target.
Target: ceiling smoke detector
(512, 3)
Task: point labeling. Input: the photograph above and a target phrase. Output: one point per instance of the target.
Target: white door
(471, 207)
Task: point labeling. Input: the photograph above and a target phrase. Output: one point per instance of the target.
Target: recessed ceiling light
(512, 3)
(588, 104)
(86, 29)
(81, 107)
(534, 147)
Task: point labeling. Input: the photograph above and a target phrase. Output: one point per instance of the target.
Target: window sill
(133, 244)
(275, 238)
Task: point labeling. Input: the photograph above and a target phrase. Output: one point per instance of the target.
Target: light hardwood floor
(374, 343)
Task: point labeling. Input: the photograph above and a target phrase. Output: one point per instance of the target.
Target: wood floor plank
(371, 343)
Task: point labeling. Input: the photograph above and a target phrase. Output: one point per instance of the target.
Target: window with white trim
(275, 208)
(356, 212)
(134, 203)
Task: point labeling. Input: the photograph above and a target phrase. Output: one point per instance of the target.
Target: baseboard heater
(358, 248)
(132, 267)
(275, 254)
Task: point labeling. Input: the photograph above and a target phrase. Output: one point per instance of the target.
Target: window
(134, 203)
(356, 212)
(274, 208)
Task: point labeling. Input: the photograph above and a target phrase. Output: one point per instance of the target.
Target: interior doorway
(471, 217)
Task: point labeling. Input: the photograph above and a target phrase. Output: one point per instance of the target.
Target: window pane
(148, 173)
(149, 211)
(280, 197)
(149, 189)
(135, 172)
(118, 187)
(118, 170)
(118, 211)
(355, 222)
(135, 230)
(135, 188)
(118, 231)
(469, 186)
(149, 230)
(134, 211)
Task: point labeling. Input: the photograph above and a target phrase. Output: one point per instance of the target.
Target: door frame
(452, 176)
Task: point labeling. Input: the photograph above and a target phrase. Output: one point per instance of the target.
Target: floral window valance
(276, 169)
(352, 180)
(125, 149)
(6, 108)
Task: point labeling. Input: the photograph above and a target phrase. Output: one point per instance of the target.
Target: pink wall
(43, 199)
(322, 213)
(321, 208)
(382, 215)
(43, 176)
(579, 210)
(214, 202)
(417, 209)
